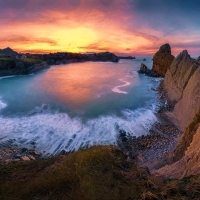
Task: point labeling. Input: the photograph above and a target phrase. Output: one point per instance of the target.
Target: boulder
(144, 70)
(162, 60)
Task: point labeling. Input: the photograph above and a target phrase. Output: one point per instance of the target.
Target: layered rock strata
(182, 86)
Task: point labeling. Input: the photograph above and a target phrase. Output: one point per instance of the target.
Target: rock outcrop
(144, 70)
(182, 86)
(188, 165)
(17, 67)
(162, 60)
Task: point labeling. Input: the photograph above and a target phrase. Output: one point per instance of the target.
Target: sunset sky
(132, 27)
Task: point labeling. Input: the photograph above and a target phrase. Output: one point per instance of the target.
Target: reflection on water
(79, 84)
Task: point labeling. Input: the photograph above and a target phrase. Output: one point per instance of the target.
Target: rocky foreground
(11, 151)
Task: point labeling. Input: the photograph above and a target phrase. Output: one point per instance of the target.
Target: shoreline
(147, 150)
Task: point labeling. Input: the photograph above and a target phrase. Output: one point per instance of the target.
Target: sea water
(78, 105)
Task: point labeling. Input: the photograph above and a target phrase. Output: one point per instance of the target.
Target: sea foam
(54, 132)
(2, 104)
(117, 90)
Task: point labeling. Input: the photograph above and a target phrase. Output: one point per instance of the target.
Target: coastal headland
(13, 63)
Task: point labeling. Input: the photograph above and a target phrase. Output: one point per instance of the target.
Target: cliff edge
(182, 87)
(16, 67)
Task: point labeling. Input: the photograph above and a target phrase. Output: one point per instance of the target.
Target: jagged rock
(188, 165)
(189, 104)
(162, 60)
(144, 70)
(25, 158)
(178, 75)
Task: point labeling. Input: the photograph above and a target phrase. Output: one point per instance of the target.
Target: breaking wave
(54, 132)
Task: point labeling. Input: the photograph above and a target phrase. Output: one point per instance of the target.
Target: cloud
(28, 40)
(120, 25)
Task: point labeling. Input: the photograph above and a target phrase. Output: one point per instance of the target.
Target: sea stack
(162, 60)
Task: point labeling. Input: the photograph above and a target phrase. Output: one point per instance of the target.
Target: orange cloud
(120, 26)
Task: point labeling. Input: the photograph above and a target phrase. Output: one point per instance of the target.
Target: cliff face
(182, 87)
(162, 60)
(16, 67)
(188, 165)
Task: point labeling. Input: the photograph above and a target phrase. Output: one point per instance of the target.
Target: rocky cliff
(162, 60)
(182, 87)
(189, 163)
(17, 67)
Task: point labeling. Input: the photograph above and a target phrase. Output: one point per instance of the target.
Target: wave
(54, 132)
(117, 90)
(2, 104)
(11, 76)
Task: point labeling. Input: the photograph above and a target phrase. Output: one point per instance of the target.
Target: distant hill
(8, 51)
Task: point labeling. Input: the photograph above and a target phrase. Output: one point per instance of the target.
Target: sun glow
(73, 40)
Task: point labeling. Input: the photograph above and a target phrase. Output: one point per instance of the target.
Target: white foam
(2, 104)
(117, 90)
(4, 77)
(56, 132)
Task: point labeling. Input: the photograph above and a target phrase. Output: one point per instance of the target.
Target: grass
(97, 173)
(101, 172)
(6, 58)
(33, 60)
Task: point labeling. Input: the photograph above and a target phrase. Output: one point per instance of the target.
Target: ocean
(75, 106)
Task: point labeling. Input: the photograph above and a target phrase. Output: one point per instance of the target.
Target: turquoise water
(69, 107)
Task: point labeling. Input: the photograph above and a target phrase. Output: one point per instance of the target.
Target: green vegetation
(101, 172)
(6, 58)
(33, 60)
(187, 137)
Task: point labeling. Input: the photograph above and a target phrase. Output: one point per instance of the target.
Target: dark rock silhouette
(17, 67)
(8, 51)
(144, 70)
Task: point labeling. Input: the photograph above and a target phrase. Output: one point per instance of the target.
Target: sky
(124, 27)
